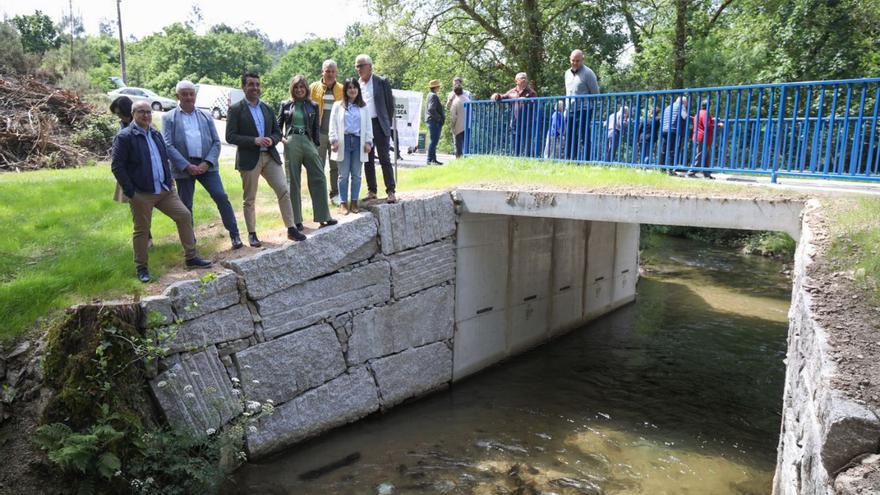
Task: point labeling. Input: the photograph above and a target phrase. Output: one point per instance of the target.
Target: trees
(38, 32)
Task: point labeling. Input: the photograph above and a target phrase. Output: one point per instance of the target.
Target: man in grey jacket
(194, 150)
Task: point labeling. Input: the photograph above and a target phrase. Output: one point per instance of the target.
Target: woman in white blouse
(351, 138)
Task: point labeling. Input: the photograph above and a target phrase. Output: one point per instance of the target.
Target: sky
(290, 21)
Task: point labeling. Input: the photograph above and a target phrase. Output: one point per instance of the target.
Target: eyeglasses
(144, 112)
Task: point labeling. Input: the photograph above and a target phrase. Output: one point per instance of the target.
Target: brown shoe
(343, 208)
(354, 206)
(370, 196)
(391, 198)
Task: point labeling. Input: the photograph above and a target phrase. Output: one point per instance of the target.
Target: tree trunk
(679, 53)
(534, 63)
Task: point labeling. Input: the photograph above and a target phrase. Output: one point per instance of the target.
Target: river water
(677, 393)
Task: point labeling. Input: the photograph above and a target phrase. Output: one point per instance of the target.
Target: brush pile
(37, 123)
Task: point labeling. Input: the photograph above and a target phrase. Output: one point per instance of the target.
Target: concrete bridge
(410, 298)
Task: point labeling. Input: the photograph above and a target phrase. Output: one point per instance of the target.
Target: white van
(217, 99)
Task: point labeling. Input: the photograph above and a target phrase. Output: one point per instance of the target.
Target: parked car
(140, 94)
(217, 99)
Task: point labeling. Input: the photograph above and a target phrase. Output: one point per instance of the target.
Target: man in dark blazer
(376, 91)
(140, 165)
(251, 126)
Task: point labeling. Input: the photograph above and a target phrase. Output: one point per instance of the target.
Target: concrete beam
(725, 213)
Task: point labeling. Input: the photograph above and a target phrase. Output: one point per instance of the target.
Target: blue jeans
(211, 182)
(434, 134)
(350, 166)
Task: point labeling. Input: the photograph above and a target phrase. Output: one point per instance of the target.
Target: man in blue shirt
(140, 165)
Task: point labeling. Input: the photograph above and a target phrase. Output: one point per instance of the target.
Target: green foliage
(12, 57)
(92, 454)
(38, 32)
(96, 134)
(302, 58)
(773, 244)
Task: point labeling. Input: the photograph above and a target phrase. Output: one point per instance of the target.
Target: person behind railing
(674, 119)
(519, 119)
(579, 80)
(649, 133)
(615, 123)
(456, 119)
(555, 142)
(456, 84)
(704, 130)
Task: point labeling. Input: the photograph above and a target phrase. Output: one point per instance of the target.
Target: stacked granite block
(354, 320)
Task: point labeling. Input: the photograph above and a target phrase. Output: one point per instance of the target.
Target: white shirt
(193, 134)
(367, 93)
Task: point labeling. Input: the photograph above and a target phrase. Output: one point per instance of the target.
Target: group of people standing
(350, 124)
(435, 115)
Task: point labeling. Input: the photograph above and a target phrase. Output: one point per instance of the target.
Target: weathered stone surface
(307, 303)
(410, 322)
(849, 429)
(325, 252)
(194, 298)
(412, 372)
(283, 368)
(414, 222)
(347, 398)
(227, 324)
(196, 393)
(862, 479)
(422, 267)
(157, 311)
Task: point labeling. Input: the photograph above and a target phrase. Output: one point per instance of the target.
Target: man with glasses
(140, 165)
(251, 126)
(376, 92)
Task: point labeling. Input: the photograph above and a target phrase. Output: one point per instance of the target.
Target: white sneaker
(335, 200)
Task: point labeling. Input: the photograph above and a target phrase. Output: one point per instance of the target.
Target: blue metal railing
(819, 129)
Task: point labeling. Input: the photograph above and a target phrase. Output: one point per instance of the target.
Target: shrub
(96, 133)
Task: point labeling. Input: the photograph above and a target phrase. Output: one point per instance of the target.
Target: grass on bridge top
(66, 241)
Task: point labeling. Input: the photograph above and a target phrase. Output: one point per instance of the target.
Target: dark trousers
(577, 129)
(212, 183)
(434, 136)
(459, 144)
(381, 147)
(668, 147)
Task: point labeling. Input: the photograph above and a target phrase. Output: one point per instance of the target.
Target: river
(677, 393)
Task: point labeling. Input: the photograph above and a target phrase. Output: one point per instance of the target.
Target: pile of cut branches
(36, 124)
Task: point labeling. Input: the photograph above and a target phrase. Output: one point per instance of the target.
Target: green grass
(476, 171)
(66, 241)
(855, 240)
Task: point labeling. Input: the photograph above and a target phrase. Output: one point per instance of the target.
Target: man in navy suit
(140, 165)
(376, 91)
(251, 126)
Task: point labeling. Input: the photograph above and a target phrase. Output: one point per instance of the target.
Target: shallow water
(678, 393)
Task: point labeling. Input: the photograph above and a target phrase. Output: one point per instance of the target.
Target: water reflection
(678, 393)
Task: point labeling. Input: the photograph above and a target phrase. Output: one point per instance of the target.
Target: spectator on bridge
(704, 131)
(194, 149)
(616, 122)
(298, 122)
(555, 142)
(649, 133)
(674, 121)
(456, 119)
(450, 98)
(376, 91)
(520, 113)
(579, 80)
(351, 140)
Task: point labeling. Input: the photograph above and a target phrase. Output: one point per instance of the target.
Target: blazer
(131, 164)
(384, 100)
(175, 139)
(337, 131)
(285, 120)
(241, 131)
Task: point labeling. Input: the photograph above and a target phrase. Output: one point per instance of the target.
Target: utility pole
(70, 15)
(121, 42)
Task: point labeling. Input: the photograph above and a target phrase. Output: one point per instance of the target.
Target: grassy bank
(854, 230)
(66, 241)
